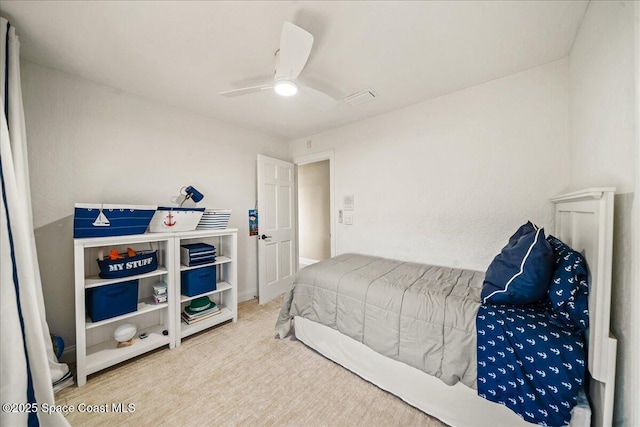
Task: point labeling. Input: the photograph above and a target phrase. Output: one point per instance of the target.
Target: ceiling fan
(295, 47)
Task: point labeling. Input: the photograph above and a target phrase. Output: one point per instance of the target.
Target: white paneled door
(276, 227)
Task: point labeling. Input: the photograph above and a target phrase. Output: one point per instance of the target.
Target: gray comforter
(422, 315)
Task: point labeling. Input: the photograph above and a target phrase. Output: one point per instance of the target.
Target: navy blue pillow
(521, 272)
(569, 289)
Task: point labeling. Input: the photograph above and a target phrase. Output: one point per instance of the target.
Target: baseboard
(68, 355)
(247, 295)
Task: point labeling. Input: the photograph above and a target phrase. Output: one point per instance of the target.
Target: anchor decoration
(169, 222)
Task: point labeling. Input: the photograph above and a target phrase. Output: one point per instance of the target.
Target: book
(199, 261)
(197, 248)
(189, 321)
(190, 314)
(197, 252)
(197, 255)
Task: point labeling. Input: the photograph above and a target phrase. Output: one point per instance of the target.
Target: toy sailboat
(101, 220)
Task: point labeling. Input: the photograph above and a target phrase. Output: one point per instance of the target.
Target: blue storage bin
(198, 281)
(114, 300)
(143, 262)
(102, 220)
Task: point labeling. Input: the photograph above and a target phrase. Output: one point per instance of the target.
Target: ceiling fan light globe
(285, 88)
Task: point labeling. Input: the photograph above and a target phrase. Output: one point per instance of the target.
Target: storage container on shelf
(198, 281)
(214, 219)
(172, 219)
(103, 220)
(104, 302)
(125, 266)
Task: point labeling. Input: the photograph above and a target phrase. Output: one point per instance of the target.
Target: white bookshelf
(96, 348)
(226, 293)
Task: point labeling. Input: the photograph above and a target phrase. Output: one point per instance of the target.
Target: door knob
(264, 236)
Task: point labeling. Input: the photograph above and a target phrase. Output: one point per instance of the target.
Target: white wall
(602, 98)
(447, 181)
(91, 143)
(603, 114)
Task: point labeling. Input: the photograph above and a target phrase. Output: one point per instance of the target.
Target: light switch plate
(348, 218)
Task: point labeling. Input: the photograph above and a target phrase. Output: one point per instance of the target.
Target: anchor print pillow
(569, 289)
(521, 272)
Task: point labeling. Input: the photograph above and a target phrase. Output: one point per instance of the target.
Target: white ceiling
(184, 53)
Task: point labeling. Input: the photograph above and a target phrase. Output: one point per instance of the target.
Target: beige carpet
(239, 374)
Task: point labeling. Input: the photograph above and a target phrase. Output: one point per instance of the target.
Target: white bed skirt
(455, 405)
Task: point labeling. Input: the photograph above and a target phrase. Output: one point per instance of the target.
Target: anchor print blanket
(431, 318)
(529, 361)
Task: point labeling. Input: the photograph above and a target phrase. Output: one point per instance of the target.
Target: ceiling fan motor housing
(285, 87)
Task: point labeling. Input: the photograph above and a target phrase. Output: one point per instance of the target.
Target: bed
(445, 380)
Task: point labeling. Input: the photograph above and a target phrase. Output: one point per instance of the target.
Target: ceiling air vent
(361, 97)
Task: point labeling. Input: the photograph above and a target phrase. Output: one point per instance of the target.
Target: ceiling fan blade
(295, 47)
(316, 98)
(245, 90)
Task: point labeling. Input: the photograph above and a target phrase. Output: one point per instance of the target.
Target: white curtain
(28, 366)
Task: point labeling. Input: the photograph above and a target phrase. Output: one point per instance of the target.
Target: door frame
(313, 158)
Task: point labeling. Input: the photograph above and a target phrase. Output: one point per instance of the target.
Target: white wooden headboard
(584, 221)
